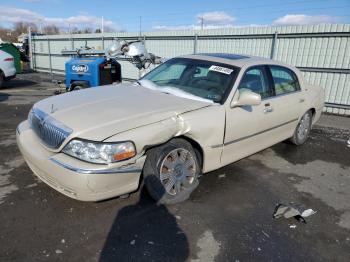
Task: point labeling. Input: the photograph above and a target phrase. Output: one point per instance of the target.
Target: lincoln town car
(190, 115)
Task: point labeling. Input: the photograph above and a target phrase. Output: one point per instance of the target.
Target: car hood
(98, 113)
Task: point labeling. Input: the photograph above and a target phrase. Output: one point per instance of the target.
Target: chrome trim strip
(255, 134)
(118, 170)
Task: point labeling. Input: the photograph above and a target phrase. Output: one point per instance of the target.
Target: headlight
(101, 153)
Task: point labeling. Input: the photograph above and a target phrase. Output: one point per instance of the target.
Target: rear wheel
(303, 129)
(171, 171)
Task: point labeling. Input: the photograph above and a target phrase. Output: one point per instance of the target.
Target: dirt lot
(228, 218)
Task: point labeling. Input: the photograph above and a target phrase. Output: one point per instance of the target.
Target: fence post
(103, 42)
(50, 58)
(273, 46)
(71, 41)
(144, 40)
(195, 44)
(31, 56)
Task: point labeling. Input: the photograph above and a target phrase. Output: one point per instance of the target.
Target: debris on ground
(132, 242)
(266, 235)
(63, 241)
(293, 226)
(58, 251)
(307, 213)
(222, 176)
(292, 210)
(349, 143)
(177, 217)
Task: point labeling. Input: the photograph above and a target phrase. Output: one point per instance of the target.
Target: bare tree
(22, 27)
(51, 30)
(7, 35)
(87, 30)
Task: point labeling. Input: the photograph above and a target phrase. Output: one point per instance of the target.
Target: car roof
(235, 59)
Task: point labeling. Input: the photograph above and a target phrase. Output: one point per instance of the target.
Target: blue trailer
(91, 71)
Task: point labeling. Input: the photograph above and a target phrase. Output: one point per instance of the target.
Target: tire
(302, 130)
(78, 85)
(171, 171)
(2, 79)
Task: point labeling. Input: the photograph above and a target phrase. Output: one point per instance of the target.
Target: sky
(172, 15)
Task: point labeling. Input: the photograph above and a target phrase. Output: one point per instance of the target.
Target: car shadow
(18, 83)
(4, 97)
(145, 231)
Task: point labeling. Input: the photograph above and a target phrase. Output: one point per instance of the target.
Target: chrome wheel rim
(177, 171)
(304, 127)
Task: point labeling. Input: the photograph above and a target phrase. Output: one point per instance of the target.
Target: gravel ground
(228, 218)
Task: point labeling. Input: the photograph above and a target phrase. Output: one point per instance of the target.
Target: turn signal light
(124, 155)
(8, 59)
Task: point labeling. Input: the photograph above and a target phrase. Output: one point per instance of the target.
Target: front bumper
(74, 178)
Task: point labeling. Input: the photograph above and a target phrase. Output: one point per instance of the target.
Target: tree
(51, 30)
(87, 30)
(22, 27)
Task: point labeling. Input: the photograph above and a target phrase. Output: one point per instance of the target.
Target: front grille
(51, 132)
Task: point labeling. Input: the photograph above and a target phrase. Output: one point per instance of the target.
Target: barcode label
(221, 69)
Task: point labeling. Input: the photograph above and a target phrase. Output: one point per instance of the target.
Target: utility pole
(140, 31)
(202, 22)
(40, 26)
(102, 25)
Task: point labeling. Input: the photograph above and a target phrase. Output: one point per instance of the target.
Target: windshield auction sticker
(220, 69)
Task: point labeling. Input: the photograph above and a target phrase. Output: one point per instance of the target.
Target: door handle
(301, 100)
(268, 108)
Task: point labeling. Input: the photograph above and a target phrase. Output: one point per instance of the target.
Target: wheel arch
(197, 149)
(196, 146)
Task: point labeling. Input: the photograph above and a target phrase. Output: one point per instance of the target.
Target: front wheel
(303, 129)
(171, 171)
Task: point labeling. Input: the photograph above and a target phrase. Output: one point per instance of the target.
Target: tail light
(9, 59)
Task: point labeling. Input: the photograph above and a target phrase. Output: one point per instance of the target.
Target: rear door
(288, 100)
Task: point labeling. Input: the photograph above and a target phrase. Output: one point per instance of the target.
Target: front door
(247, 127)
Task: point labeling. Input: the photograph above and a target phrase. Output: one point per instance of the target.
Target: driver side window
(255, 79)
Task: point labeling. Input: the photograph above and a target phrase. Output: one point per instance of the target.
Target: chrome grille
(51, 132)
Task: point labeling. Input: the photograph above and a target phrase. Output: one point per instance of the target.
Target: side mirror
(246, 98)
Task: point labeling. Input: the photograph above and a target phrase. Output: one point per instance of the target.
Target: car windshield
(207, 80)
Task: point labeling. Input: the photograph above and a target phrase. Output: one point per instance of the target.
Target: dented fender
(205, 126)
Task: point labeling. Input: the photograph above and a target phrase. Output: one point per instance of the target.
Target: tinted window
(255, 79)
(205, 79)
(285, 81)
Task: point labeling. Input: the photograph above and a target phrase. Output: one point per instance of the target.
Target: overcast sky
(176, 14)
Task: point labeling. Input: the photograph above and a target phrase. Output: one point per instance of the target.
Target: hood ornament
(53, 110)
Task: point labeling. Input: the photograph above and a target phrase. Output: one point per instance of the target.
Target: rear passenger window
(285, 80)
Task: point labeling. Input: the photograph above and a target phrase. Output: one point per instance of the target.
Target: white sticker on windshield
(220, 69)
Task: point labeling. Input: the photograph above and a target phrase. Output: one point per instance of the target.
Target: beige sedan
(190, 115)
